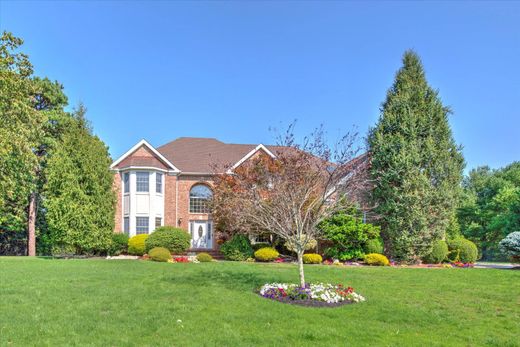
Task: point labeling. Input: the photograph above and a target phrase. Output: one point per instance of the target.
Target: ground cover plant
(102, 303)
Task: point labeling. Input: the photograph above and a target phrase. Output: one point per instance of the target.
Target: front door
(200, 234)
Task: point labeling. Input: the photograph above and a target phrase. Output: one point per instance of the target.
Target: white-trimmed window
(126, 225)
(200, 195)
(158, 222)
(142, 225)
(126, 182)
(158, 182)
(142, 181)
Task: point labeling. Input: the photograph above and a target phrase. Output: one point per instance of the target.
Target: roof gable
(143, 155)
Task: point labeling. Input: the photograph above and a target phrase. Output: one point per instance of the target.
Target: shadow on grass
(231, 279)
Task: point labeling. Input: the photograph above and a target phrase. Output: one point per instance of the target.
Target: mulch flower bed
(312, 294)
(308, 302)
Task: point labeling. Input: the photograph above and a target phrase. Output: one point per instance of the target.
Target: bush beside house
(312, 258)
(136, 244)
(349, 235)
(176, 240)
(266, 254)
(237, 249)
(160, 254)
(204, 257)
(118, 244)
(376, 259)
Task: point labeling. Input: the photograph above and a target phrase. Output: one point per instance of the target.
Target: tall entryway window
(201, 234)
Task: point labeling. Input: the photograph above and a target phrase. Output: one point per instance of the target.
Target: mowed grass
(141, 303)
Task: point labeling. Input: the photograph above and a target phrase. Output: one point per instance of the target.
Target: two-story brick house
(171, 184)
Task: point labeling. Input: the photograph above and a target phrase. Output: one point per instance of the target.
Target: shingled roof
(205, 155)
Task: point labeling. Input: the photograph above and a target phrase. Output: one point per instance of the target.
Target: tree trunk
(31, 237)
(300, 268)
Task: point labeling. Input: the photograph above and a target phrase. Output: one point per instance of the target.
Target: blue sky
(231, 70)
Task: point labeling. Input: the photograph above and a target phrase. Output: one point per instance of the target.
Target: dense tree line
(490, 207)
(55, 181)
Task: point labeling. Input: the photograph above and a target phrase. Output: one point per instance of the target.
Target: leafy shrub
(136, 244)
(312, 258)
(462, 250)
(176, 240)
(204, 257)
(119, 244)
(438, 253)
(259, 245)
(373, 246)
(350, 254)
(237, 249)
(266, 254)
(160, 254)
(348, 234)
(510, 245)
(376, 259)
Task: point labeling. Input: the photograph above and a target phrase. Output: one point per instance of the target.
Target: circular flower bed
(312, 294)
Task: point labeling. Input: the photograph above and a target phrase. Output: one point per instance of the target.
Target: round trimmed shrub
(160, 254)
(176, 240)
(373, 246)
(312, 258)
(438, 253)
(136, 244)
(204, 257)
(118, 244)
(237, 249)
(462, 250)
(266, 254)
(376, 259)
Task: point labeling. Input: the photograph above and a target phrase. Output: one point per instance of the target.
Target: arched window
(200, 195)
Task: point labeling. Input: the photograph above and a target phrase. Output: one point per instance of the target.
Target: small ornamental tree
(291, 193)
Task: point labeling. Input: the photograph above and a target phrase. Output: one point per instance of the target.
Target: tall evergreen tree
(20, 132)
(416, 164)
(79, 203)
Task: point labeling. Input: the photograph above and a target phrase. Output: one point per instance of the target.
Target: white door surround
(201, 232)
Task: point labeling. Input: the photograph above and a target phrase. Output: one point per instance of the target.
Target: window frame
(160, 222)
(199, 205)
(142, 174)
(126, 225)
(158, 183)
(138, 226)
(126, 183)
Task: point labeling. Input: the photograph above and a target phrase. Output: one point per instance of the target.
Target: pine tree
(79, 203)
(416, 165)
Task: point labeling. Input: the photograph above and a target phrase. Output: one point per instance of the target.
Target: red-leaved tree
(288, 195)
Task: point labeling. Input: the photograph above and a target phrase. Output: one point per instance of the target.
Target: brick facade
(176, 188)
(118, 225)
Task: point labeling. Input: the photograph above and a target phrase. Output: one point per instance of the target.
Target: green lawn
(126, 303)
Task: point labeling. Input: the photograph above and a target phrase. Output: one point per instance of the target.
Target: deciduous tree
(288, 195)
